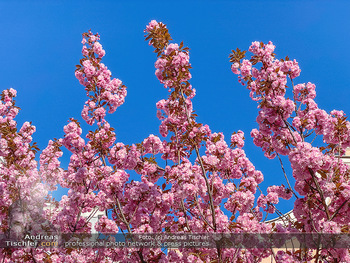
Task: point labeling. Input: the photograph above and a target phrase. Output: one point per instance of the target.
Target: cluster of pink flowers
(220, 163)
(124, 157)
(50, 166)
(22, 192)
(304, 92)
(153, 145)
(152, 25)
(96, 78)
(72, 140)
(285, 126)
(238, 139)
(172, 66)
(106, 226)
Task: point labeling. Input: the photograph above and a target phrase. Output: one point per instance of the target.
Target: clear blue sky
(40, 46)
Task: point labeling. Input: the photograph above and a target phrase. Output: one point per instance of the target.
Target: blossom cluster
(96, 78)
(285, 128)
(22, 192)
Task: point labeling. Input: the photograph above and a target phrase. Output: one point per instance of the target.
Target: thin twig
(338, 209)
(202, 216)
(285, 176)
(290, 131)
(321, 193)
(185, 215)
